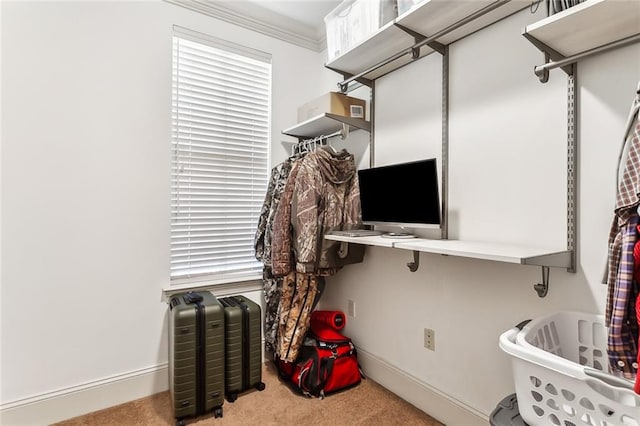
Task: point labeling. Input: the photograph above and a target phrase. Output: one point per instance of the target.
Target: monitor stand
(398, 235)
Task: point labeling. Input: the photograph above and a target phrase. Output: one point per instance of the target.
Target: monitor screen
(405, 194)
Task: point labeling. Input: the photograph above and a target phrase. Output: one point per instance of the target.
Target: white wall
(507, 184)
(86, 112)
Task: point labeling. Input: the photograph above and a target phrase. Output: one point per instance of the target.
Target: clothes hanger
(633, 114)
(331, 147)
(631, 120)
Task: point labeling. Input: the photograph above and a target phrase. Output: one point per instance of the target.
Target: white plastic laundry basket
(560, 371)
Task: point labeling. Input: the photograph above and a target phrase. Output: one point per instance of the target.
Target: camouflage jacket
(281, 250)
(325, 197)
(262, 239)
(262, 245)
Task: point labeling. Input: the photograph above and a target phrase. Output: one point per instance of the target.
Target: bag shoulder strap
(319, 374)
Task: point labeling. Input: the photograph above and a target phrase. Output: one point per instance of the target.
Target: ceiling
(299, 22)
(308, 12)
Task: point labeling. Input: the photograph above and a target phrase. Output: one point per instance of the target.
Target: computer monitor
(404, 195)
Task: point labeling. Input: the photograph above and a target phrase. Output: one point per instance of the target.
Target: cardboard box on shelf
(334, 103)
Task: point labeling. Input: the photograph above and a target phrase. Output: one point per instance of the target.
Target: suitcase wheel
(232, 397)
(260, 386)
(217, 412)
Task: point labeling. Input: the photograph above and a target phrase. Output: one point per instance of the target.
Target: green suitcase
(243, 336)
(196, 355)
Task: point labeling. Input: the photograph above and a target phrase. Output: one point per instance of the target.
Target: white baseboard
(78, 400)
(438, 405)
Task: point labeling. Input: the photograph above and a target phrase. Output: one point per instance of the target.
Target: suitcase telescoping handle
(192, 297)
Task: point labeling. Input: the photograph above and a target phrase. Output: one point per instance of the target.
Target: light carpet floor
(365, 404)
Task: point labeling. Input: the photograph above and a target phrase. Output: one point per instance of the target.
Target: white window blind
(219, 169)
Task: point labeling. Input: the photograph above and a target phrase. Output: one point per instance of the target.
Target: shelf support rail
(572, 165)
(556, 60)
(416, 47)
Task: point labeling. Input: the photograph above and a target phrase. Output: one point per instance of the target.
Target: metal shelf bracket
(551, 58)
(543, 288)
(417, 38)
(344, 85)
(413, 266)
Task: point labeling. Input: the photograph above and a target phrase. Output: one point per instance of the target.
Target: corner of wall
(433, 402)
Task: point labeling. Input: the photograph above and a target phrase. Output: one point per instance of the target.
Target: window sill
(219, 289)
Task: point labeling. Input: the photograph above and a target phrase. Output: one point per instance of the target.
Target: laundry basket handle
(609, 379)
(542, 358)
(521, 325)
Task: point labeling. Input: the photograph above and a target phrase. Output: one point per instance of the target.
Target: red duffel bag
(327, 363)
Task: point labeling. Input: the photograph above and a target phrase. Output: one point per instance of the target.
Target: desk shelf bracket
(413, 266)
(543, 288)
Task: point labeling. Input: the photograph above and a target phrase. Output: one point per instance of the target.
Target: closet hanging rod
(541, 69)
(409, 51)
(340, 133)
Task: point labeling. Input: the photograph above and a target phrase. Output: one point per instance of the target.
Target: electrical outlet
(351, 308)
(430, 339)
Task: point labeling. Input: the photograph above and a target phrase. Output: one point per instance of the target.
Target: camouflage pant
(299, 292)
(272, 295)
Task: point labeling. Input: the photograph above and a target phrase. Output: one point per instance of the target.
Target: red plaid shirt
(622, 343)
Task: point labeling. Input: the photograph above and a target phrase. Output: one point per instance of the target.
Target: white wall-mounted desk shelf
(372, 240)
(489, 251)
(507, 253)
(325, 124)
(585, 29)
(443, 22)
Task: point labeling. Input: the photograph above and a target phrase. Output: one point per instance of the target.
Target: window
(220, 156)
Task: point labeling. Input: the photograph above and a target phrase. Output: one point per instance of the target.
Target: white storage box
(560, 366)
(404, 5)
(353, 21)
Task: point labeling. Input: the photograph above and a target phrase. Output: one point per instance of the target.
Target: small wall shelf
(325, 124)
(584, 29)
(385, 42)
